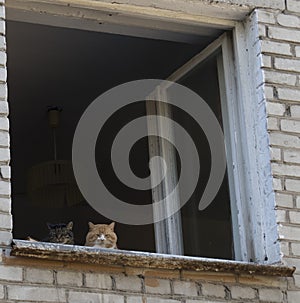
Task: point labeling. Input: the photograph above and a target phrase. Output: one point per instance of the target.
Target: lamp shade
(52, 184)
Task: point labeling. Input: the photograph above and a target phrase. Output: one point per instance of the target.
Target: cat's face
(101, 235)
(61, 233)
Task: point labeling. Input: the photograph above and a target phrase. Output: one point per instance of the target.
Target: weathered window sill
(89, 255)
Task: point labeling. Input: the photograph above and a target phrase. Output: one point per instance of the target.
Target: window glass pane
(206, 233)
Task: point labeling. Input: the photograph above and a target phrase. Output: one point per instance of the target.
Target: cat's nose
(102, 238)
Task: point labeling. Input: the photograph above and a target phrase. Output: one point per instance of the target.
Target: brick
(5, 172)
(213, 290)
(31, 293)
(289, 232)
(4, 107)
(4, 154)
(284, 248)
(1, 292)
(239, 292)
(5, 188)
(297, 49)
(287, 64)
(288, 20)
(185, 288)
(4, 138)
(280, 78)
(2, 12)
(285, 140)
(157, 286)
(270, 295)
(5, 205)
(272, 123)
(284, 200)
(265, 17)
(2, 58)
(3, 71)
(292, 185)
(284, 34)
(208, 276)
(4, 123)
(298, 202)
(277, 184)
(295, 111)
(292, 156)
(262, 280)
(269, 94)
(293, 296)
(135, 299)
(281, 215)
(2, 42)
(69, 278)
(275, 153)
(3, 91)
(294, 217)
(293, 5)
(275, 47)
(88, 297)
(286, 170)
(10, 273)
(128, 283)
(5, 238)
(266, 61)
(295, 248)
(100, 281)
(161, 273)
(161, 300)
(262, 32)
(5, 221)
(35, 275)
(277, 109)
(290, 126)
(2, 28)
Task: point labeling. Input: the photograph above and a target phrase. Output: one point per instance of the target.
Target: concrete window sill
(89, 255)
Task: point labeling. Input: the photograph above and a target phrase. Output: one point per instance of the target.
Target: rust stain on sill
(89, 255)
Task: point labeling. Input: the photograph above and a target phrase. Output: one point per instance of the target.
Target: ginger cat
(101, 235)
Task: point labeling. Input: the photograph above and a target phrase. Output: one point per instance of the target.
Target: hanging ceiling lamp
(52, 183)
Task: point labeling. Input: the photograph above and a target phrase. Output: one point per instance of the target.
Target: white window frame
(169, 232)
(256, 238)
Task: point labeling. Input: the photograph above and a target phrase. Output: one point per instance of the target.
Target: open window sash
(168, 233)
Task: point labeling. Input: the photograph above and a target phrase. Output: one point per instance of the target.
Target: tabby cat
(101, 235)
(58, 233)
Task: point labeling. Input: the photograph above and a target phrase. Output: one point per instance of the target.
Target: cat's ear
(91, 225)
(49, 225)
(112, 226)
(70, 225)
